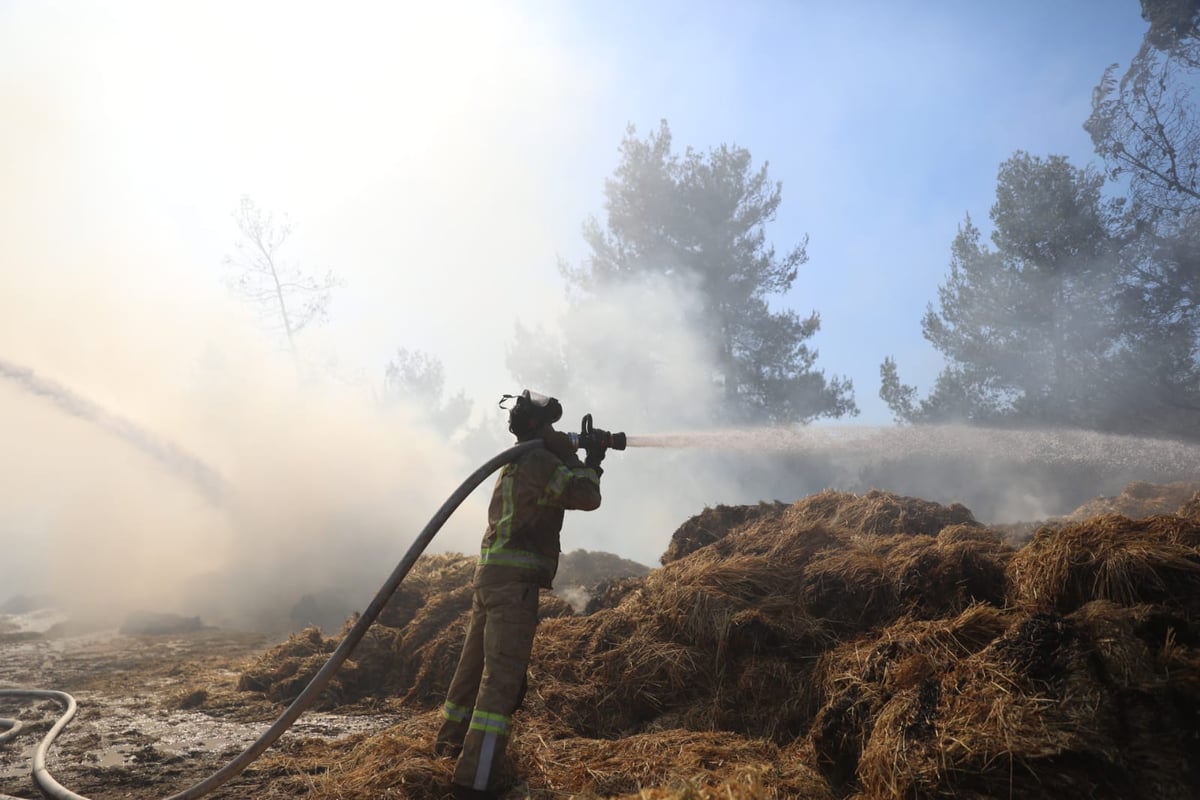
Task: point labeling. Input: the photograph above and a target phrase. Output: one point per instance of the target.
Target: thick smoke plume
(164, 455)
(130, 133)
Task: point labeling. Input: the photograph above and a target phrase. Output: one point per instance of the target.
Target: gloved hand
(559, 443)
(594, 456)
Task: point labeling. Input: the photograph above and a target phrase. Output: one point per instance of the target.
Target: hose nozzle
(590, 436)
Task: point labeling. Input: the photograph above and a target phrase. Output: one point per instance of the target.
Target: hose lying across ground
(55, 790)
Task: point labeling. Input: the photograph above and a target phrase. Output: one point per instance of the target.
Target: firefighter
(518, 557)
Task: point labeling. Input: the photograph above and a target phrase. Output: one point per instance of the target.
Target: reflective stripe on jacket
(526, 516)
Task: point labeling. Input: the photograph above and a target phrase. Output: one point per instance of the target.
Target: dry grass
(1152, 560)
(715, 523)
(1139, 499)
(879, 513)
(874, 646)
(1054, 706)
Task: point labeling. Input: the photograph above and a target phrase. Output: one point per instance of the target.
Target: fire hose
(53, 789)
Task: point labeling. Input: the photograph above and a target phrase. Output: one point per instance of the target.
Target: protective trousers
(487, 685)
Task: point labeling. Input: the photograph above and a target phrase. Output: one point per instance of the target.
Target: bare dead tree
(287, 298)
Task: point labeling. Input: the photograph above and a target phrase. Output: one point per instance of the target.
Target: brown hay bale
(937, 577)
(431, 575)
(401, 607)
(840, 730)
(712, 524)
(607, 674)
(850, 589)
(370, 668)
(1056, 706)
(433, 637)
(610, 593)
(435, 662)
(879, 513)
(669, 764)
(684, 646)
(788, 543)
(283, 660)
(551, 606)
(1153, 560)
(282, 672)
(587, 568)
(1139, 499)
(727, 637)
(943, 642)
(1191, 508)
(773, 697)
(439, 610)
(1018, 534)
(696, 598)
(858, 678)
(397, 762)
(1148, 660)
(953, 534)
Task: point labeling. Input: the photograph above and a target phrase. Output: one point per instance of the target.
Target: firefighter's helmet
(530, 411)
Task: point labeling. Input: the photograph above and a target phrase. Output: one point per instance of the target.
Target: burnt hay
(871, 646)
(1110, 557)
(712, 524)
(1139, 499)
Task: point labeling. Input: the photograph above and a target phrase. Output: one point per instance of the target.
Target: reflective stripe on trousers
(493, 726)
(455, 713)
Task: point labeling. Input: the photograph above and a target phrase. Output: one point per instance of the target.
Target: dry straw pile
(1140, 499)
(863, 646)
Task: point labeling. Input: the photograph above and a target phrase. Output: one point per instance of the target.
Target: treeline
(1079, 309)
(1082, 309)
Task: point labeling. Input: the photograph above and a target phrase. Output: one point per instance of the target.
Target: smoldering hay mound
(414, 646)
(846, 645)
(1140, 499)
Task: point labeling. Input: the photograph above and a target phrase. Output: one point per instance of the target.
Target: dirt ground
(157, 713)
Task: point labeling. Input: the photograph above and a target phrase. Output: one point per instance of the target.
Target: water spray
(1061, 447)
(166, 453)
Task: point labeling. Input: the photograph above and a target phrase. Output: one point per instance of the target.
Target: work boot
(466, 793)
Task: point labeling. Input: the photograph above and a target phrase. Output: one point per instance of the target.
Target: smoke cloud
(130, 374)
(412, 148)
(268, 483)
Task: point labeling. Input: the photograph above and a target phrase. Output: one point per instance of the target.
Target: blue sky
(441, 158)
(886, 123)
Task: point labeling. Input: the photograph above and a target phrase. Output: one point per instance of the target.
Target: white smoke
(417, 150)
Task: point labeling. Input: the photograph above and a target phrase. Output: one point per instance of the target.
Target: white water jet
(876, 444)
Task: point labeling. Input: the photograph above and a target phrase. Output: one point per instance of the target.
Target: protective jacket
(525, 517)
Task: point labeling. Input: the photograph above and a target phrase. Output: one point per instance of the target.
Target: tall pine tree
(699, 221)
(1027, 326)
